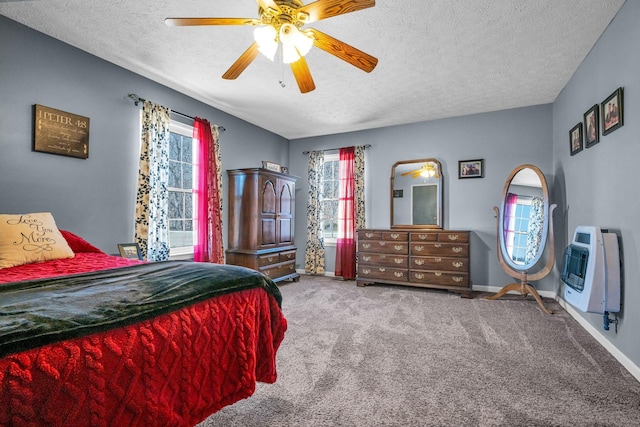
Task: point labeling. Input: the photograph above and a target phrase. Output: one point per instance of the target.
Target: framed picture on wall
(592, 126)
(575, 139)
(471, 168)
(612, 112)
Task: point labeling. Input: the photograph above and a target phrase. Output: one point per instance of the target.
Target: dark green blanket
(40, 312)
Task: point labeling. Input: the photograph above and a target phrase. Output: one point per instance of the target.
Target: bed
(96, 339)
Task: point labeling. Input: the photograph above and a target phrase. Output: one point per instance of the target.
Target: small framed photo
(271, 166)
(130, 250)
(575, 139)
(592, 126)
(611, 112)
(471, 168)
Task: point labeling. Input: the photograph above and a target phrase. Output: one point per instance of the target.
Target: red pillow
(78, 244)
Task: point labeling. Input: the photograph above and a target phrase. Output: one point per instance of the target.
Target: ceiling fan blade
(347, 53)
(268, 4)
(303, 75)
(241, 63)
(187, 22)
(323, 9)
(409, 173)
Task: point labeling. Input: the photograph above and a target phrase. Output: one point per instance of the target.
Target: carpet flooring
(398, 356)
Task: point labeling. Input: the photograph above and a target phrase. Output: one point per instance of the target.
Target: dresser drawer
(369, 235)
(453, 236)
(373, 259)
(288, 256)
(279, 270)
(383, 273)
(396, 236)
(384, 247)
(424, 237)
(445, 249)
(440, 263)
(440, 278)
(268, 259)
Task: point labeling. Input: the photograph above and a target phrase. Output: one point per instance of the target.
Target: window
(519, 224)
(181, 203)
(329, 198)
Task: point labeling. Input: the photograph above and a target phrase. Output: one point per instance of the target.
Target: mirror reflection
(416, 194)
(523, 219)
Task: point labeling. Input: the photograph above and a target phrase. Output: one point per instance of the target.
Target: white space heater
(591, 272)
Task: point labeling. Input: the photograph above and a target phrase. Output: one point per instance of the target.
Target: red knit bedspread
(173, 370)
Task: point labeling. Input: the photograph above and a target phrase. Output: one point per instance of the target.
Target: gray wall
(94, 197)
(599, 186)
(504, 139)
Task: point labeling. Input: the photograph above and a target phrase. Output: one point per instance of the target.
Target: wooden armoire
(261, 222)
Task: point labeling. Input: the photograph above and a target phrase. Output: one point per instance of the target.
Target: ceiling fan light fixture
(303, 42)
(289, 53)
(266, 39)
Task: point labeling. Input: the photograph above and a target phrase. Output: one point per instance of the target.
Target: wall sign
(59, 132)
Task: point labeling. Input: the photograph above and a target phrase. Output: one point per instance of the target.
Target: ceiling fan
(279, 28)
(427, 170)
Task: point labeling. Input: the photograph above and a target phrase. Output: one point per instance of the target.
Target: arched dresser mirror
(416, 194)
(524, 221)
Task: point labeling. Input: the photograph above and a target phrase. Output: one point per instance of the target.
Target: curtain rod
(136, 99)
(333, 149)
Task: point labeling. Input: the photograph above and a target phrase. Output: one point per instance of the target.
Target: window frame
(184, 251)
(332, 157)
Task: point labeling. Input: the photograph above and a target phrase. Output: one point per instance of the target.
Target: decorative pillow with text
(33, 237)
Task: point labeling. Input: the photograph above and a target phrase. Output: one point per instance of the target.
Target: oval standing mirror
(523, 222)
(416, 194)
(523, 219)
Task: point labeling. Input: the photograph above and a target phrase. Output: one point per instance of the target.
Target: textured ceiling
(437, 58)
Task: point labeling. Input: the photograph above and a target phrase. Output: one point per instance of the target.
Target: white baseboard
(620, 357)
(595, 333)
(326, 273)
(494, 289)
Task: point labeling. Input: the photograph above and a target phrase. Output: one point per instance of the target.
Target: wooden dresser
(429, 258)
(261, 222)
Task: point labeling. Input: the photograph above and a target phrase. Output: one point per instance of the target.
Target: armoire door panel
(268, 232)
(268, 197)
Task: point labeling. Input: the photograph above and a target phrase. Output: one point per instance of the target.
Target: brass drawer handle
(382, 243)
(270, 259)
(438, 259)
(438, 274)
(369, 235)
(456, 250)
(458, 279)
(395, 235)
(268, 273)
(419, 248)
(419, 276)
(422, 236)
(437, 245)
(366, 245)
(453, 237)
(366, 271)
(418, 262)
(398, 274)
(366, 258)
(398, 260)
(398, 247)
(458, 264)
(291, 267)
(382, 269)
